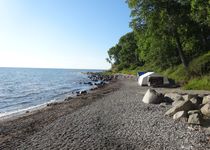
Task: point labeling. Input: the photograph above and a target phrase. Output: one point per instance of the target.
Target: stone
(189, 96)
(194, 112)
(167, 100)
(196, 101)
(176, 102)
(179, 115)
(164, 104)
(183, 105)
(206, 99)
(83, 92)
(152, 97)
(173, 96)
(194, 119)
(68, 98)
(205, 110)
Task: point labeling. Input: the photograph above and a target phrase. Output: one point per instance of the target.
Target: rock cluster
(94, 76)
(98, 80)
(194, 108)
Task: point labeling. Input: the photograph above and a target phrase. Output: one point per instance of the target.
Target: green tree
(163, 18)
(125, 53)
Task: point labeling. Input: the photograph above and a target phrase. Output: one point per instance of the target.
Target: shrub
(198, 84)
(201, 65)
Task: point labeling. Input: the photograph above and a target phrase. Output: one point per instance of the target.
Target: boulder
(152, 97)
(164, 104)
(189, 96)
(182, 105)
(177, 102)
(196, 101)
(205, 110)
(206, 99)
(194, 119)
(179, 114)
(173, 96)
(194, 112)
(83, 92)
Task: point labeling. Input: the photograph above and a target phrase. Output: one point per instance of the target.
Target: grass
(178, 73)
(202, 83)
(201, 65)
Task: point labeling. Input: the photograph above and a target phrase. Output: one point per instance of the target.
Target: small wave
(15, 104)
(6, 115)
(23, 96)
(37, 87)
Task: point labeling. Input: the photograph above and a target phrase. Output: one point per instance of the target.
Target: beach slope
(113, 117)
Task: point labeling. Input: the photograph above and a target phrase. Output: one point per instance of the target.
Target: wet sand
(112, 117)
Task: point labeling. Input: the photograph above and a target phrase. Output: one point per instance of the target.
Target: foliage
(177, 73)
(201, 11)
(201, 65)
(169, 36)
(202, 83)
(125, 52)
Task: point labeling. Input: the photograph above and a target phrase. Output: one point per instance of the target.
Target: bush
(198, 84)
(179, 74)
(201, 65)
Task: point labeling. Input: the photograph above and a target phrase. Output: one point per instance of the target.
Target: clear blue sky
(60, 33)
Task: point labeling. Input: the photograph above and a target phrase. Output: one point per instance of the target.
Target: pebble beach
(111, 117)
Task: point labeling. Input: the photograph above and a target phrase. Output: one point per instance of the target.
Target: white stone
(189, 96)
(193, 112)
(177, 102)
(174, 96)
(183, 105)
(151, 97)
(206, 99)
(179, 115)
(205, 110)
(194, 119)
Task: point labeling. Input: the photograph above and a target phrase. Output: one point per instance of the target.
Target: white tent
(143, 79)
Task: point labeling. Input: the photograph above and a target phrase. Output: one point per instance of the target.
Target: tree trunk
(180, 50)
(204, 38)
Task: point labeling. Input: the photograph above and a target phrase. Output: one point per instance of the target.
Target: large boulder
(196, 100)
(205, 110)
(173, 96)
(152, 97)
(177, 102)
(194, 118)
(181, 106)
(194, 112)
(179, 115)
(206, 99)
(189, 96)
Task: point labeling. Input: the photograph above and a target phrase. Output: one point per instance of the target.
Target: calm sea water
(21, 89)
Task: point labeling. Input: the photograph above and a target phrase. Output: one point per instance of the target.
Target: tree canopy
(166, 33)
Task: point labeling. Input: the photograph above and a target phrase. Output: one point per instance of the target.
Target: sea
(23, 89)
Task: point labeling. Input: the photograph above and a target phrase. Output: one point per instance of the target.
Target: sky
(60, 33)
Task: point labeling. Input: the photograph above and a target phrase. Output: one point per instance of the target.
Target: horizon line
(50, 68)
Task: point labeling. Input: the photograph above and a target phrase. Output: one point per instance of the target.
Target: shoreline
(27, 123)
(97, 81)
(109, 117)
(10, 116)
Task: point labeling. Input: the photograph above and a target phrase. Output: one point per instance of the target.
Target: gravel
(119, 120)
